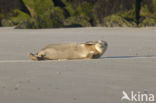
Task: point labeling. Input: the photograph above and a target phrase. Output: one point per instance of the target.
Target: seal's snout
(105, 44)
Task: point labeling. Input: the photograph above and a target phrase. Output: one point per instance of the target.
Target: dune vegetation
(35, 14)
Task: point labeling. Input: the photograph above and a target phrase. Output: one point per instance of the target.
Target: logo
(137, 97)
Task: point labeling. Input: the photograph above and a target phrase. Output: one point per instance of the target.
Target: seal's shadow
(118, 57)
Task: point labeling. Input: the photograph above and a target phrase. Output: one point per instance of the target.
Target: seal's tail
(33, 57)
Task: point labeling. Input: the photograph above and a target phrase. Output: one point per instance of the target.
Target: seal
(70, 51)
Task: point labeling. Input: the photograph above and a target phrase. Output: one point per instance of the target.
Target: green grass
(116, 21)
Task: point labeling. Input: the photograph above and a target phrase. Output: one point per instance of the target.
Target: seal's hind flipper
(33, 57)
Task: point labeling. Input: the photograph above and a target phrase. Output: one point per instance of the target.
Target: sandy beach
(128, 65)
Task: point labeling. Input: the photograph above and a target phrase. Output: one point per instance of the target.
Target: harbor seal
(70, 51)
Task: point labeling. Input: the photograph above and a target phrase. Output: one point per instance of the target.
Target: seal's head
(99, 47)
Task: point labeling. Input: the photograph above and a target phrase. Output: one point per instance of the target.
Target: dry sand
(128, 65)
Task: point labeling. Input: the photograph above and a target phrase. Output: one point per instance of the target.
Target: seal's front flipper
(33, 57)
